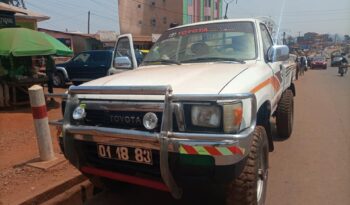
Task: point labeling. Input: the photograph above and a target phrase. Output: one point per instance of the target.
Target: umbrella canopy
(27, 42)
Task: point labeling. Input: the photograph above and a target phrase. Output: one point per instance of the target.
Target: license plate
(133, 154)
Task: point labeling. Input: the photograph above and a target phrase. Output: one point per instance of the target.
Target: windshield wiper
(167, 61)
(215, 59)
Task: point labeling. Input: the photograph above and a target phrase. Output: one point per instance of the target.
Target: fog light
(150, 120)
(79, 112)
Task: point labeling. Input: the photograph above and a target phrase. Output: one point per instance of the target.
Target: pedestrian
(302, 65)
(297, 68)
(50, 70)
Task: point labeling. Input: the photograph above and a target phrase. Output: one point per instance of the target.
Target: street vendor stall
(18, 46)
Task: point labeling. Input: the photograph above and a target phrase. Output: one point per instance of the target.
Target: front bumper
(225, 149)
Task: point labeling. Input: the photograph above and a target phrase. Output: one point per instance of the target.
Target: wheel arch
(63, 71)
(263, 119)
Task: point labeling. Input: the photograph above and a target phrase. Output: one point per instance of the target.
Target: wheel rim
(56, 80)
(261, 179)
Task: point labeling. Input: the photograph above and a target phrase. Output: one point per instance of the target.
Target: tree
(347, 38)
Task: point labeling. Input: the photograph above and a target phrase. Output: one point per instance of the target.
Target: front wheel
(58, 80)
(250, 186)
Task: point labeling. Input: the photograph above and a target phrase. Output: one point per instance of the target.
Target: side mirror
(278, 53)
(122, 62)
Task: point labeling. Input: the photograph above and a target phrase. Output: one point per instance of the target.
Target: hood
(197, 78)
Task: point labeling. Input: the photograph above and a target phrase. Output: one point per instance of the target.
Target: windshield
(233, 41)
(319, 59)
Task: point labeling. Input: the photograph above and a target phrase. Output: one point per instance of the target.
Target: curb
(52, 191)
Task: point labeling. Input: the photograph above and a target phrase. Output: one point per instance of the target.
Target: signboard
(7, 19)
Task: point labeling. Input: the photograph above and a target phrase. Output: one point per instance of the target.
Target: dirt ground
(18, 145)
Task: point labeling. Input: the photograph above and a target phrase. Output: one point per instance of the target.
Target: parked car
(319, 62)
(84, 67)
(88, 65)
(196, 112)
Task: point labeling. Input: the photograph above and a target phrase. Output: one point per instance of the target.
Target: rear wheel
(250, 187)
(285, 115)
(58, 79)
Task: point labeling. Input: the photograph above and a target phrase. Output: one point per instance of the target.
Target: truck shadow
(274, 133)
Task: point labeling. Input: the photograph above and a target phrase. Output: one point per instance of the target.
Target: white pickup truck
(194, 116)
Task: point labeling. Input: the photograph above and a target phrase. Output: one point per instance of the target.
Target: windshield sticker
(191, 31)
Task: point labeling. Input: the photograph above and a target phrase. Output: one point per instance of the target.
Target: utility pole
(284, 38)
(88, 22)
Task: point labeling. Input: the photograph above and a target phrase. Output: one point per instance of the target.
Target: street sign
(7, 19)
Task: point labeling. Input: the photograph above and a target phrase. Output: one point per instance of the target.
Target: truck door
(277, 67)
(78, 66)
(99, 64)
(124, 55)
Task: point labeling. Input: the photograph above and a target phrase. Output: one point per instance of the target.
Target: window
(190, 3)
(100, 58)
(190, 19)
(205, 42)
(207, 3)
(82, 58)
(153, 22)
(123, 48)
(139, 6)
(266, 38)
(207, 18)
(164, 20)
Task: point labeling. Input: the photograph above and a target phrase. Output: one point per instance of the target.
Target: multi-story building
(147, 19)
(201, 10)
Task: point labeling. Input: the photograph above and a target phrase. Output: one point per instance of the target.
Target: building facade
(147, 17)
(201, 10)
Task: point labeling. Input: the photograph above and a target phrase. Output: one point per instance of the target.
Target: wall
(144, 17)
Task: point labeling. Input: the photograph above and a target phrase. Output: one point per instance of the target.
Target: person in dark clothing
(344, 62)
(50, 69)
(297, 68)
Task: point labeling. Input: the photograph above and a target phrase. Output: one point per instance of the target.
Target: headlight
(233, 115)
(79, 112)
(206, 116)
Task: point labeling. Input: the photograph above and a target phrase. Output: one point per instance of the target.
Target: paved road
(310, 168)
(313, 166)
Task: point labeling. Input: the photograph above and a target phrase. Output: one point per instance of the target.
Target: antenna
(227, 3)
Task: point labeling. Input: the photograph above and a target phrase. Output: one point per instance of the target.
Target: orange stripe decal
(261, 86)
(273, 81)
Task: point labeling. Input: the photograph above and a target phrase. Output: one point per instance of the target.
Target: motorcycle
(343, 69)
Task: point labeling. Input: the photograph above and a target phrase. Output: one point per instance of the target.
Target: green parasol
(27, 42)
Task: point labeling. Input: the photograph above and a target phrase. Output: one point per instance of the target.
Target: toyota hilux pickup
(195, 114)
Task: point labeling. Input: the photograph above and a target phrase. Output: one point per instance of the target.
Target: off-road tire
(285, 115)
(243, 189)
(58, 80)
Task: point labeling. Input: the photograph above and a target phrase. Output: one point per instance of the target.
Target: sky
(293, 16)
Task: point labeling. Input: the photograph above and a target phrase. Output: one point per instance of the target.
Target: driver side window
(82, 58)
(266, 39)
